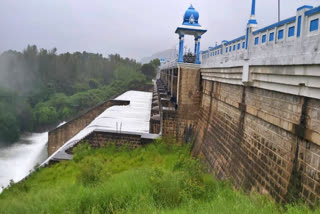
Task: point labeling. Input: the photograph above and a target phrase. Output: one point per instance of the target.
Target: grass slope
(158, 178)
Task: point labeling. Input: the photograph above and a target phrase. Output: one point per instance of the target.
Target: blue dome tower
(191, 17)
(190, 26)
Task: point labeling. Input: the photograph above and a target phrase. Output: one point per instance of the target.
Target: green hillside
(159, 178)
(40, 88)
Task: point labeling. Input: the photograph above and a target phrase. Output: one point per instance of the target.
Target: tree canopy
(150, 69)
(40, 88)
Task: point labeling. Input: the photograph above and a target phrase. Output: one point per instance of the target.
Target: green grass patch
(158, 178)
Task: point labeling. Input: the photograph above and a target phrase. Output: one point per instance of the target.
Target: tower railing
(189, 58)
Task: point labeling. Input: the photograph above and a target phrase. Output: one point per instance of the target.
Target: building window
(264, 38)
(314, 25)
(280, 34)
(234, 47)
(291, 31)
(256, 41)
(243, 44)
(226, 49)
(230, 49)
(271, 37)
(238, 46)
(218, 52)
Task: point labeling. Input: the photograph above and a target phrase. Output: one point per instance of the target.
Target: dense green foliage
(158, 178)
(150, 69)
(40, 88)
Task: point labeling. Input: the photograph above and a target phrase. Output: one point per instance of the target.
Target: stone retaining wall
(59, 136)
(260, 139)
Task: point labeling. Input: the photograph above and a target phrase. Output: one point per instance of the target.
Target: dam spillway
(130, 120)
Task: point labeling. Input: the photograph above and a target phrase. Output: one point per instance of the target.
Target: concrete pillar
(198, 50)
(195, 45)
(181, 43)
(252, 25)
(172, 73)
(188, 98)
(169, 80)
(302, 25)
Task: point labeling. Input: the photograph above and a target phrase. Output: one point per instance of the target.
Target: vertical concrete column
(198, 50)
(188, 98)
(161, 75)
(245, 72)
(247, 37)
(169, 79)
(195, 45)
(302, 22)
(252, 25)
(165, 77)
(178, 84)
(298, 24)
(181, 43)
(172, 74)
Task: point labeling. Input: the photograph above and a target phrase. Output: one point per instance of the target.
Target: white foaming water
(18, 159)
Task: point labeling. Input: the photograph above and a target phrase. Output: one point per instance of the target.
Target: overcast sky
(132, 28)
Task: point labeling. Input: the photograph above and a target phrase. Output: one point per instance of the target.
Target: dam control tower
(190, 26)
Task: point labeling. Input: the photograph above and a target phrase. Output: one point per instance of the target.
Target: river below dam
(17, 159)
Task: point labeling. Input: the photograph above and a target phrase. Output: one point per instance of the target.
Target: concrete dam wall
(251, 105)
(263, 134)
(259, 139)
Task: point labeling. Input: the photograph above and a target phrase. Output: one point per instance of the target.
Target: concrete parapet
(59, 136)
(155, 110)
(155, 124)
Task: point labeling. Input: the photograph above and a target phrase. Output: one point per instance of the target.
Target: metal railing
(189, 58)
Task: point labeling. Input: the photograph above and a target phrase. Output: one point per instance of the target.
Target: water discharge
(18, 159)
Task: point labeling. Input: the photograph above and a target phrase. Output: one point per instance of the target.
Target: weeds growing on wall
(159, 178)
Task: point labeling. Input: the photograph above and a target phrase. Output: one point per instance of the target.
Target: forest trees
(40, 88)
(150, 69)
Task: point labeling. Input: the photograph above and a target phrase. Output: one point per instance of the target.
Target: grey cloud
(131, 28)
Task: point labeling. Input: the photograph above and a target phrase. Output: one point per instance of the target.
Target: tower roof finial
(252, 21)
